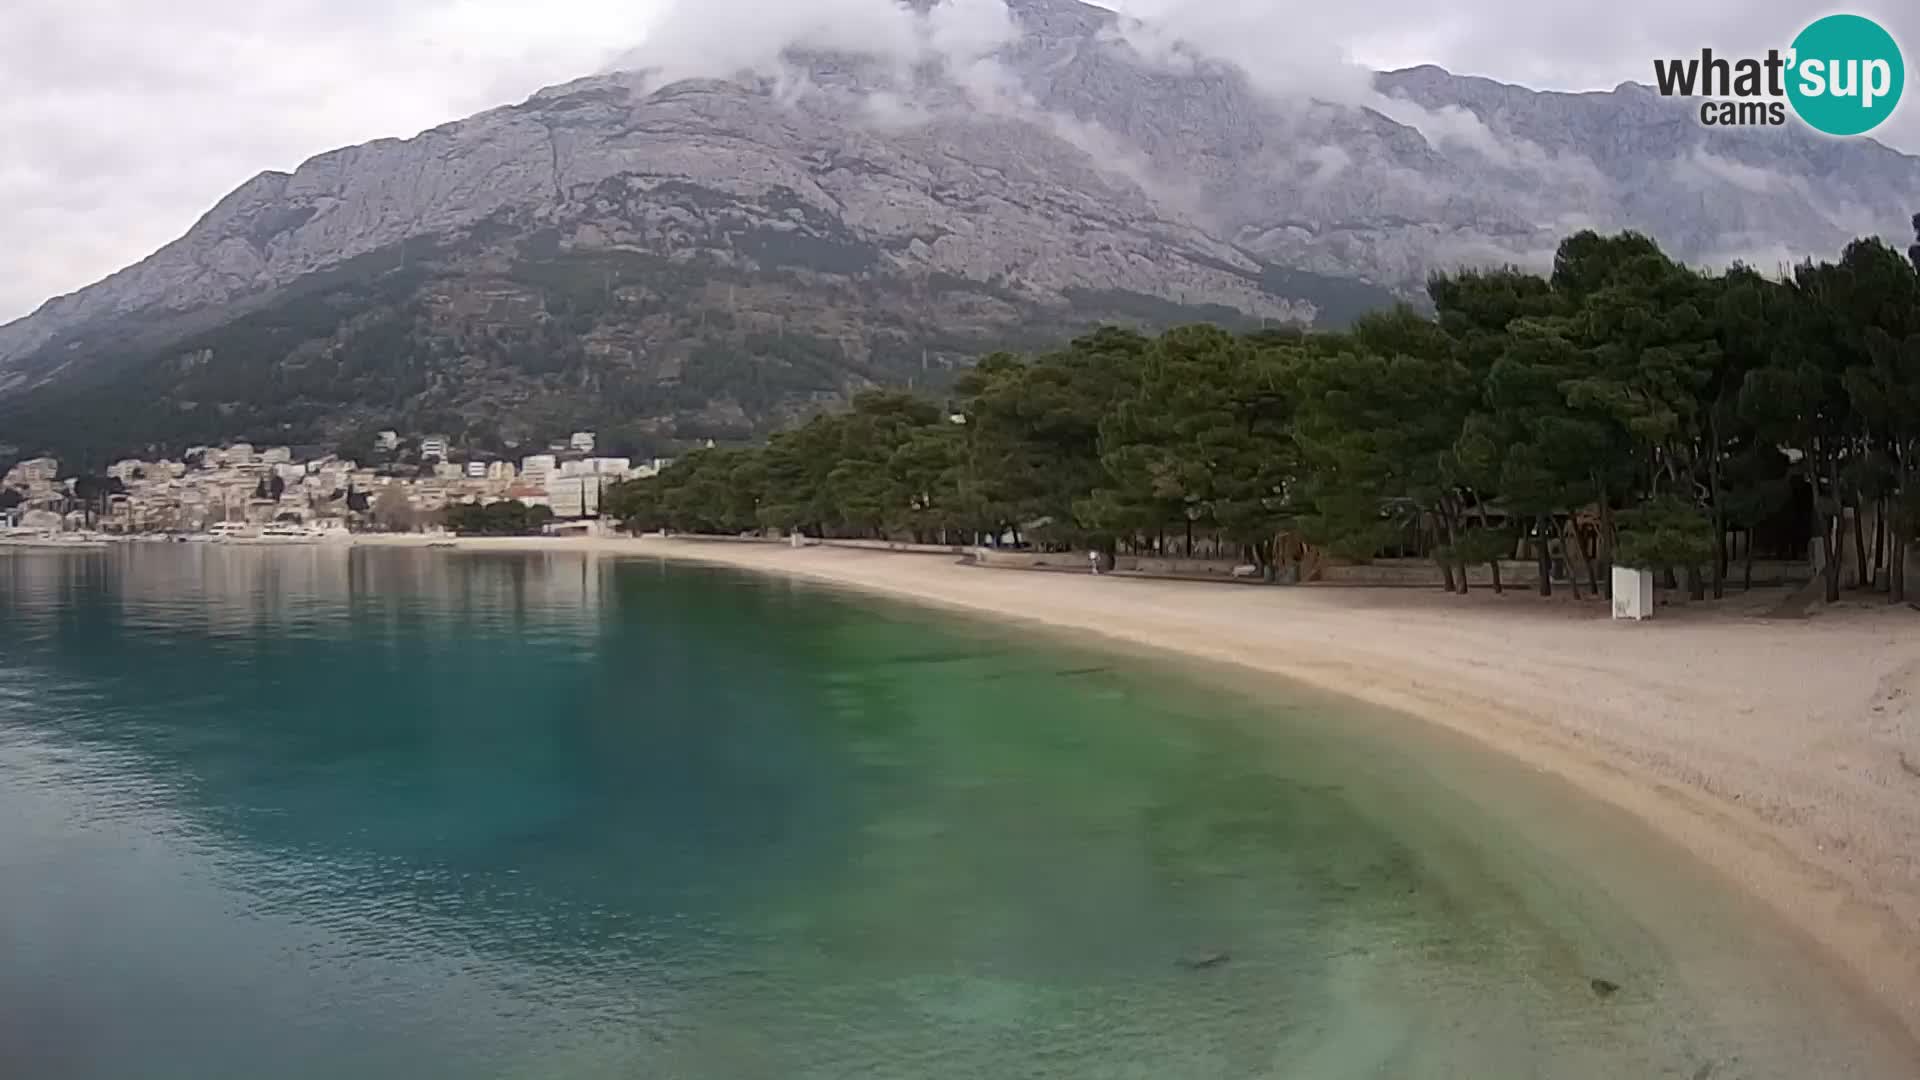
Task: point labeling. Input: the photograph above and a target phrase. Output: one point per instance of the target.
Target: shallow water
(317, 813)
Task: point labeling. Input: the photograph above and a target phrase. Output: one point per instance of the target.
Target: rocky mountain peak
(885, 219)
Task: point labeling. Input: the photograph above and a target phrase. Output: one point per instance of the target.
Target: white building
(33, 471)
(434, 446)
(616, 468)
(476, 470)
(277, 455)
(539, 468)
(38, 478)
(240, 453)
(501, 470)
(387, 440)
(127, 471)
(575, 496)
(447, 470)
(582, 441)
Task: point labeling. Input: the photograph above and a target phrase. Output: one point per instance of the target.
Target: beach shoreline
(1781, 754)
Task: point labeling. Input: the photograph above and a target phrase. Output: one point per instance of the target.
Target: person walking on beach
(1093, 561)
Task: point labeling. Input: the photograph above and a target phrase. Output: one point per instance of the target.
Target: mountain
(691, 258)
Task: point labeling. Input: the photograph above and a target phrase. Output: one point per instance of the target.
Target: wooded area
(1624, 409)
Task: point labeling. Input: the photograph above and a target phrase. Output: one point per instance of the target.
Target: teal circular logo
(1846, 75)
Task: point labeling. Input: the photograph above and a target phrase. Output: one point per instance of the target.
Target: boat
(288, 534)
(282, 533)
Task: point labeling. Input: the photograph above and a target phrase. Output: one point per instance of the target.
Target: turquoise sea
(380, 814)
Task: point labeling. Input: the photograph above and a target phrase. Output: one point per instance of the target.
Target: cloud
(1187, 36)
(1285, 51)
(1114, 157)
(122, 121)
(1289, 45)
(725, 38)
(890, 111)
(1450, 125)
(1327, 163)
(1710, 171)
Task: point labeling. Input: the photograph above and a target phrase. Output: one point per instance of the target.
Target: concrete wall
(890, 545)
(1405, 573)
(1077, 561)
(1002, 559)
(1147, 564)
(1423, 573)
(862, 545)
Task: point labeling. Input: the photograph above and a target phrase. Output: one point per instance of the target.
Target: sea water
(324, 812)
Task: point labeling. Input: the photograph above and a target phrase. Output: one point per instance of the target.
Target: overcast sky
(122, 121)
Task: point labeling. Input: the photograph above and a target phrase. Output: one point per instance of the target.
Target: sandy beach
(1785, 754)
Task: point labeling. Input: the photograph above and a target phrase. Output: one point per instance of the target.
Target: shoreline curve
(1774, 752)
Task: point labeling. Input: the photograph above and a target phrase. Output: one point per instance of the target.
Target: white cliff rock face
(982, 195)
(1083, 166)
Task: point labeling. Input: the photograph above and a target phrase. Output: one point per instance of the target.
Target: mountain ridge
(918, 213)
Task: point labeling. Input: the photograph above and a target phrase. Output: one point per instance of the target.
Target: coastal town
(242, 491)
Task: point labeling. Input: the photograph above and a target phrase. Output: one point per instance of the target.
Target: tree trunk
(1696, 585)
(1486, 524)
(1602, 564)
(1865, 580)
(1901, 531)
(1544, 554)
(1269, 561)
(1880, 563)
(1446, 568)
(1830, 531)
(1830, 539)
(1746, 577)
(1897, 575)
(1453, 541)
(1667, 580)
(1577, 545)
(1720, 558)
(1719, 518)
